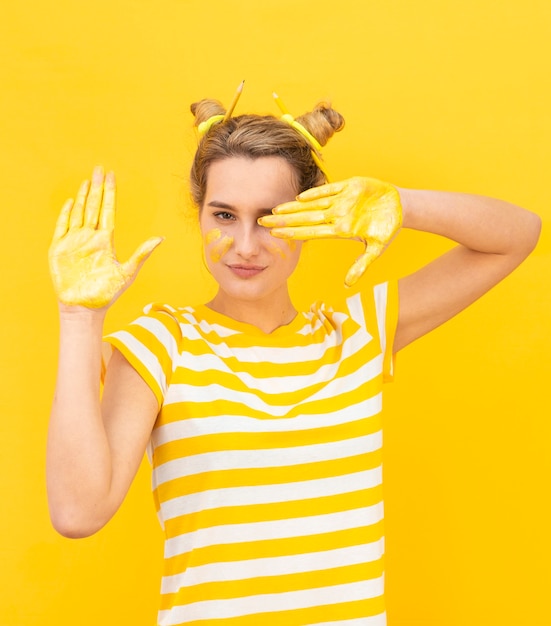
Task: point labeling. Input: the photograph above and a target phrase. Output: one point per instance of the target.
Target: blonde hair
(255, 136)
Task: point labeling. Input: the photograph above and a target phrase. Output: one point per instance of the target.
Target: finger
(107, 212)
(321, 231)
(95, 195)
(296, 206)
(131, 267)
(361, 264)
(62, 223)
(315, 193)
(304, 218)
(78, 208)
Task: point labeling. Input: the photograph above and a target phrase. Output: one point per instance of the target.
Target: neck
(265, 315)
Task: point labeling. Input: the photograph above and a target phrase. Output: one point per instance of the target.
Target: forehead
(265, 181)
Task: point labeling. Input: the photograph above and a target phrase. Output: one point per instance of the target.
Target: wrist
(81, 314)
(407, 203)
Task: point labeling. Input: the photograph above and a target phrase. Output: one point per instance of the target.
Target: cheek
(280, 247)
(217, 244)
(212, 236)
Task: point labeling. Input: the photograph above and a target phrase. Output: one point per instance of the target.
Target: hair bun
(205, 109)
(322, 122)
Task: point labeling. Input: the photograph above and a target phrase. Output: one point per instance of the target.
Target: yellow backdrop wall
(447, 95)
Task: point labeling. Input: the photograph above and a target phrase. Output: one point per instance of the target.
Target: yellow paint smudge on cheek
(219, 248)
(275, 248)
(213, 235)
(282, 247)
(218, 244)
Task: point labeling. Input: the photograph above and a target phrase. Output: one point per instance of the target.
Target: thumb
(140, 256)
(361, 264)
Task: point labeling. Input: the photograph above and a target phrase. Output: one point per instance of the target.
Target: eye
(224, 216)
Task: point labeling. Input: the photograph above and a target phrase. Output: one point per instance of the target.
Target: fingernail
(155, 241)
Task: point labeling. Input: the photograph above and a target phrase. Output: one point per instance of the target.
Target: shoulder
(368, 307)
(160, 318)
(373, 310)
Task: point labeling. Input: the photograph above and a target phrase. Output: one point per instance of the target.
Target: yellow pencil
(280, 104)
(234, 101)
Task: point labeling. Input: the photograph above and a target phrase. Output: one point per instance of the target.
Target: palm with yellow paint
(358, 208)
(83, 264)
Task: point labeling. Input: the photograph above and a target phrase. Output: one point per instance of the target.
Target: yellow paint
(219, 249)
(213, 235)
(358, 208)
(218, 244)
(83, 265)
(274, 248)
(467, 441)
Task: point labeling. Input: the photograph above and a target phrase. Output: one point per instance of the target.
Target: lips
(246, 271)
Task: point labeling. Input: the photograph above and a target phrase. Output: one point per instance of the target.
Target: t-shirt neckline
(214, 317)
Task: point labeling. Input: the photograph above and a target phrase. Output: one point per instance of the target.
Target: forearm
(494, 237)
(479, 223)
(94, 449)
(78, 453)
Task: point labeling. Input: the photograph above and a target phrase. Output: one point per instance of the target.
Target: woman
(263, 422)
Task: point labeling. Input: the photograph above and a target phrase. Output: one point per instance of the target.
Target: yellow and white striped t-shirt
(267, 462)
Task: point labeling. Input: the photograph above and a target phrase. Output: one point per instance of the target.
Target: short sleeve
(150, 344)
(386, 306)
(379, 315)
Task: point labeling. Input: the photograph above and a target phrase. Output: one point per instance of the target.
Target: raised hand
(358, 208)
(83, 264)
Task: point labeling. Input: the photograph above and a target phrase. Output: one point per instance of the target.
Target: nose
(247, 240)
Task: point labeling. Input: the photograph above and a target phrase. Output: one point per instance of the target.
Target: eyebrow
(218, 204)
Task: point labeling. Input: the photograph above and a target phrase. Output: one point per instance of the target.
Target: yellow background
(436, 94)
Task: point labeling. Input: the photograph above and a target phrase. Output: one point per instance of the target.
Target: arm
(494, 238)
(93, 449)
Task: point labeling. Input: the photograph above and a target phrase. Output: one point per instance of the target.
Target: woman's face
(243, 257)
